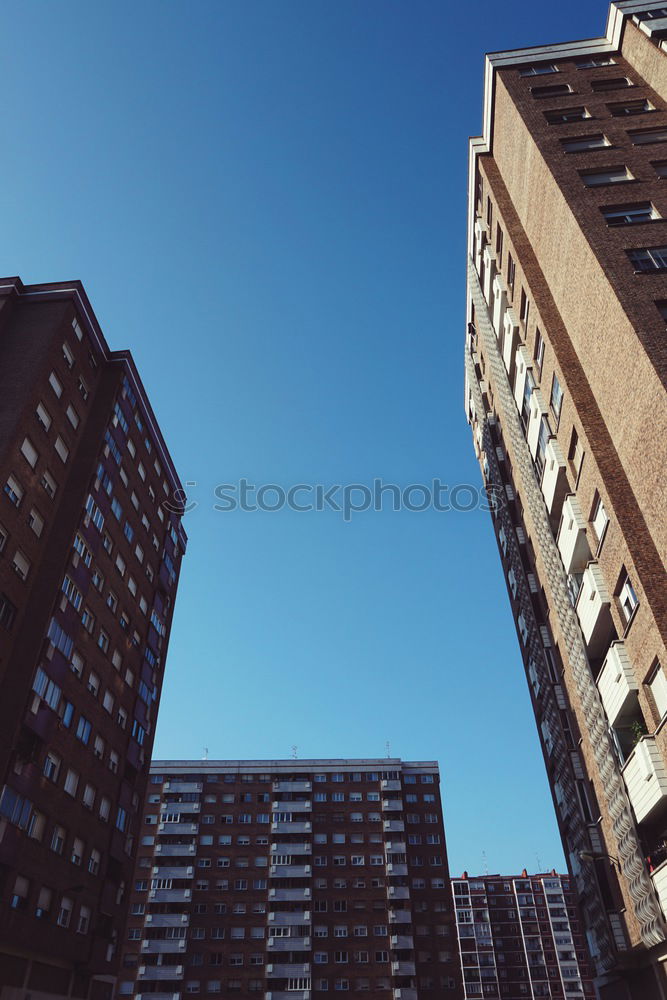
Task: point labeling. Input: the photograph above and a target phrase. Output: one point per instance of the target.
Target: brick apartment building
(566, 364)
(521, 936)
(290, 880)
(89, 562)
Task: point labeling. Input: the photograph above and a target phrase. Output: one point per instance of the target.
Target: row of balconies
(399, 993)
(644, 770)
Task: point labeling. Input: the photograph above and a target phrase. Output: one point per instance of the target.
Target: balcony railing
(646, 779)
(617, 685)
(593, 608)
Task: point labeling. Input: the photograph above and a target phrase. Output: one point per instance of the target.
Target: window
(58, 839)
(36, 522)
(660, 167)
(48, 483)
(72, 416)
(648, 260)
(578, 144)
(555, 90)
(623, 215)
(556, 400)
(661, 306)
(71, 782)
(83, 729)
(610, 83)
(610, 175)
(61, 449)
(21, 564)
(638, 107)
(14, 490)
(43, 416)
(56, 384)
(647, 136)
(592, 62)
(658, 686)
(538, 69)
(52, 764)
(599, 517)
(84, 920)
(627, 598)
(539, 350)
(560, 116)
(29, 452)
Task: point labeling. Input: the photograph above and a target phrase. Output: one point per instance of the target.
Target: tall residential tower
(90, 550)
(566, 363)
(292, 880)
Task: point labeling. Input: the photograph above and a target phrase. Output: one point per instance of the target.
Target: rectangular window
(610, 83)
(658, 685)
(648, 259)
(61, 449)
(647, 136)
(638, 107)
(43, 416)
(555, 90)
(14, 491)
(592, 62)
(626, 215)
(610, 175)
(627, 597)
(539, 350)
(660, 167)
(538, 69)
(577, 144)
(556, 400)
(599, 517)
(29, 452)
(560, 116)
(56, 384)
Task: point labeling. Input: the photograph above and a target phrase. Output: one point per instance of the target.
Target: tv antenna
(387, 748)
(205, 753)
(294, 751)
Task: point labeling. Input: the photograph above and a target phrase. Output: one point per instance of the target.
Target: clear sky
(266, 203)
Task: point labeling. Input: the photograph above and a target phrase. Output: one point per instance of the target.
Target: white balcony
(187, 828)
(167, 919)
(161, 947)
(490, 270)
(289, 871)
(175, 850)
(173, 871)
(291, 807)
(405, 993)
(659, 877)
(393, 826)
(522, 363)
(390, 785)
(182, 786)
(400, 917)
(554, 479)
(181, 808)
(617, 685)
(398, 892)
(288, 944)
(284, 895)
(392, 805)
(538, 409)
(298, 917)
(510, 341)
(395, 846)
(481, 236)
(593, 608)
(403, 968)
(287, 970)
(646, 779)
(499, 304)
(151, 972)
(291, 827)
(169, 895)
(292, 786)
(572, 542)
(402, 941)
(396, 868)
(287, 848)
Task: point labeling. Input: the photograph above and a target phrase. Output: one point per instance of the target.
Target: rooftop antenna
(387, 747)
(539, 863)
(205, 753)
(486, 867)
(294, 751)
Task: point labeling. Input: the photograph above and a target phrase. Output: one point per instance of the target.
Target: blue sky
(266, 203)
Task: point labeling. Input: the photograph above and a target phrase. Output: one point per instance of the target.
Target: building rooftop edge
(289, 763)
(74, 290)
